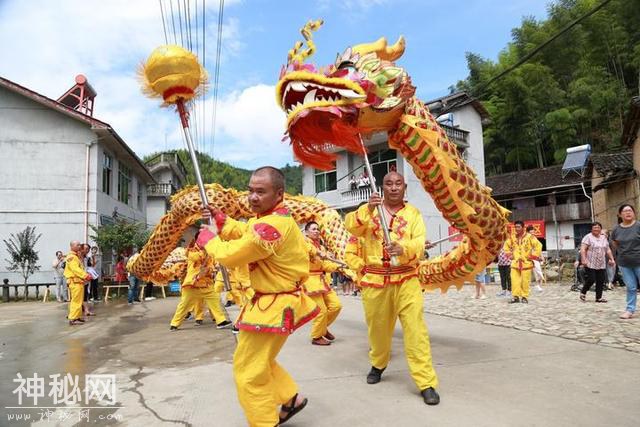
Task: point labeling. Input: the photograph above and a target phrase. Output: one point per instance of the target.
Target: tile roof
(613, 167)
(531, 180)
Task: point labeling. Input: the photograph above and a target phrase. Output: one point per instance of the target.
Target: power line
(204, 65)
(217, 75)
(479, 90)
(173, 22)
(180, 20)
(187, 11)
(164, 27)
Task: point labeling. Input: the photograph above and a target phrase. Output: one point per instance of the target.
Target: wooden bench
(164, 294)
(108, 284)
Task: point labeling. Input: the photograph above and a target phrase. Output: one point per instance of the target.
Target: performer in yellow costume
(393, 292)
(198, 285)
(274, 248)
(76, 276)
(318, 288)
(240, 283)
(523, 248)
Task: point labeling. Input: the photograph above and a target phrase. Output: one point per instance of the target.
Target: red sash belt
(387, 271)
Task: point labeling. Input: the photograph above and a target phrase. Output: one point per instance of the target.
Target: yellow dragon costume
(366, 92)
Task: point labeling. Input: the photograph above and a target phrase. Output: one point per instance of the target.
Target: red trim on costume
(387, 282)
(276, 208)
(387, 271)
(267, 232)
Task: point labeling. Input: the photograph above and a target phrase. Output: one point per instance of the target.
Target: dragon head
(362, 92)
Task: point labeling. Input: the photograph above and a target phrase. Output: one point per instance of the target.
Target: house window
(139, 195)
(124, 183)
(383, 162)
(107, 167)
(325, 181)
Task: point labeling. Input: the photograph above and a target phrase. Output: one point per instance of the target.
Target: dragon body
(152, 263)
(363, 92)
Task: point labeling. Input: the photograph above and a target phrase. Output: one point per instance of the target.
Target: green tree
(22, 254)
(214, 171)
(574, 91)
(120, 236)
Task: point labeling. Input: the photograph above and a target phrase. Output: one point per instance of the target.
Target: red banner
(538, 227)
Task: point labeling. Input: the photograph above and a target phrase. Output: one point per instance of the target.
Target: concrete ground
(489, 375)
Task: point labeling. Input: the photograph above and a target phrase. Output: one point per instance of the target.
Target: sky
(45, 44)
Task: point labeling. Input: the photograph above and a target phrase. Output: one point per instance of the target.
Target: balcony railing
(566, 212)
(458, 136)
(355, 197)
(169, 157)
(161, 190)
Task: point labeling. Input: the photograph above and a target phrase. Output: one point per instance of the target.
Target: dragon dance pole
(184, 119)
(444, 239)
(372, 185)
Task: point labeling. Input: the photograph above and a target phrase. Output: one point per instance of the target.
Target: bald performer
(76, 276)
(393, 292)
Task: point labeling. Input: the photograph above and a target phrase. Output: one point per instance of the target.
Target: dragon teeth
(347, 93)
(310, 96)
(297, 86)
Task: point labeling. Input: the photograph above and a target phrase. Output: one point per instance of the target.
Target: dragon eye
(347, 65)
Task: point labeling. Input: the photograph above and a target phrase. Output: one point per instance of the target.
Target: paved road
(490, 376)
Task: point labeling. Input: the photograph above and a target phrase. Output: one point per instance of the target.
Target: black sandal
(293, 409)
(583, 297)
(601, 300)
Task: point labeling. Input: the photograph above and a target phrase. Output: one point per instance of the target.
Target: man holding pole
(273, 246)
(389, 291)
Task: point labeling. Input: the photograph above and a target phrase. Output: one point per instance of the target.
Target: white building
(170, 175)
(62, 171)
(463, 125)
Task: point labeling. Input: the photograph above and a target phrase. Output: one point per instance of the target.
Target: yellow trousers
(382, 306)
(330, 307)
(192, 296)
(520, 281)
(75, 305)
(262, 384)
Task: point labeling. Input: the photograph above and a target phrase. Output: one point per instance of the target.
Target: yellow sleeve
(232, 229)
(352, 256)
(358, 222)
(75, 269)
(537, 248)
(329, 266)
(413, 248)
(258, 242)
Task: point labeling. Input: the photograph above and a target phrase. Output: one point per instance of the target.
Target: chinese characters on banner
(538, 228)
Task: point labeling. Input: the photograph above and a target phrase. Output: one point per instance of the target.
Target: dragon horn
(380, 48)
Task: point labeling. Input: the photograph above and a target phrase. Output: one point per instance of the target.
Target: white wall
(42, 179)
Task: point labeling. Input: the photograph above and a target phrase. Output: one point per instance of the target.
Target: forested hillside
(574, 91)
(214, 171)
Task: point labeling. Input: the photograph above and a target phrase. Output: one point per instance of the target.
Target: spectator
(537, 264)
(481, 289)
(121, 270)
(626, 241)
(96, 273)
(504, 267)
(58, 264)
(134, 284)
(353, 184)
(594, 251)
(611, 269)
(88, 267)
